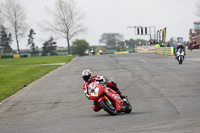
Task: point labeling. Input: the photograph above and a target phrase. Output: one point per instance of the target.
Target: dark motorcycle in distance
(108, 99)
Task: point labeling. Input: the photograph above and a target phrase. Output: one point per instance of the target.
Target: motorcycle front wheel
(108, 107)
(128, 108)
(180, 60)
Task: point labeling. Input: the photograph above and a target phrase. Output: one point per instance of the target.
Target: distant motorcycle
(108, 99)
(180, 56)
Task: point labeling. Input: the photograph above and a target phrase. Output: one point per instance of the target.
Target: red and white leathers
(92, 79)
(110, 84)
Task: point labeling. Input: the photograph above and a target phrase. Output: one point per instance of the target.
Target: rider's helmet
(179, 45)
(86, 75)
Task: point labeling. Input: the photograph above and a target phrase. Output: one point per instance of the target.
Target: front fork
(108, 100)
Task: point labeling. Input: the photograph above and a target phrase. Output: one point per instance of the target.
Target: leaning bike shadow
(104, 114)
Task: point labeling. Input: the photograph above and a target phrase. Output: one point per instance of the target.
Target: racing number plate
(95, 93)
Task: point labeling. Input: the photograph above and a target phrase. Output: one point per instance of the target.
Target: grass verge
(23, 71)
(37, 60)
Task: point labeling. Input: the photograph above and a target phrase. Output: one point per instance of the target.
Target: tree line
(13, 22)
(80, 46)
(66, 22)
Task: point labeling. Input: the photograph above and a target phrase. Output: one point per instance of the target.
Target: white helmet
(86, 75)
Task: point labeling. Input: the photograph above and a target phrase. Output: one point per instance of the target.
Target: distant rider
(88, 78)
(179, 46)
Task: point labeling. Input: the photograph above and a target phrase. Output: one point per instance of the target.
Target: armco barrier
(12, 56)
(6, 56)
(146, 49)
(168, 50)
(122, 52)
(186, 49)
(23, 56)
(16, 56)
(165, 51)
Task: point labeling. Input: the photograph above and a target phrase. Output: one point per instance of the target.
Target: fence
(161, 50)
(146, 49)
(165, 51)
(12, 56)
(168, 50)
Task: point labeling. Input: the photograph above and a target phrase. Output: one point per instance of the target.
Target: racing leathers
(180, 46)
(103, 80)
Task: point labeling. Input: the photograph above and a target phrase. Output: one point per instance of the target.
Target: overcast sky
(114, 16)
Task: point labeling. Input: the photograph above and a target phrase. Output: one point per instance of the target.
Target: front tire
(180, 60)
(128, 108)
(107, 107)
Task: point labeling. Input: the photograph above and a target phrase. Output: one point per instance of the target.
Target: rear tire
(107, 107)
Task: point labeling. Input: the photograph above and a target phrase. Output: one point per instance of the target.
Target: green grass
(23, 71)
(37, 60)
(40, 53)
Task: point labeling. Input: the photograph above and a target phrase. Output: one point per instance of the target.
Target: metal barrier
(165, 51)
(168, 50)
(122, 52)
(146, 49)
(12, 56)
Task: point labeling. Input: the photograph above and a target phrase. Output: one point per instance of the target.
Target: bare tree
(111, 39)
(197, 11)
(66, 21)
(1, 29)
(15, 18)
(1, 18)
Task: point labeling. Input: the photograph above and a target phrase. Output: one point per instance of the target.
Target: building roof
(197, 22)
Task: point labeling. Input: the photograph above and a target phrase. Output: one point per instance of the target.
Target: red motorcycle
(108, 99)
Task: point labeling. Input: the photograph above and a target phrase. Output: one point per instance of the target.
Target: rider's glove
(103, 80)
(87, 96)
(86, 93)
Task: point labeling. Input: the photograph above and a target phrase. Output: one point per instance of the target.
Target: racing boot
(121, 95)
(95, 107)
(113, 86)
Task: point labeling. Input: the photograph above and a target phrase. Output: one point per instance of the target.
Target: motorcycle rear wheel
(107, 107)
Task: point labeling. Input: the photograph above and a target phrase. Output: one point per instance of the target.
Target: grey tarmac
(165, 97)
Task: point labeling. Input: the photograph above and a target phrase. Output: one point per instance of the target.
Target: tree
(79, 47)
(197, 12)
(49, 47)
(67, 21)
(34, 48)
(1, 26)
(121, 44)
(15, 18)
(1, 18)
(131, 43)
(5, 41)
(111, 39)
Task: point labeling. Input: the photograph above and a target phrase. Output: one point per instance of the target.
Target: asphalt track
(165, 97)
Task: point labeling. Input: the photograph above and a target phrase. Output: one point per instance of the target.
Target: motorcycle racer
(89, 78)
(179, 46)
